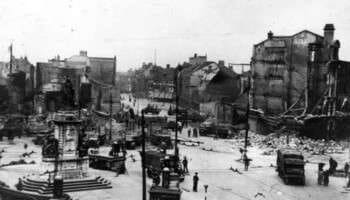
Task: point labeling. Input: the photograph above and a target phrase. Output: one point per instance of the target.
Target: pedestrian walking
(195, 182)
(189, 132)
(346, 169)
(185, 164)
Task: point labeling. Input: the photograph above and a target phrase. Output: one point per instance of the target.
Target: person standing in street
(320, 173)
(246, 161)
(332, 165)
(346, 169)
(195, 132)
(326, 177)
(189, 132)
(195, 182)
(185, 164)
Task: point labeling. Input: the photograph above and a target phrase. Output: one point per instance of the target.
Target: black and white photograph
(174, 100)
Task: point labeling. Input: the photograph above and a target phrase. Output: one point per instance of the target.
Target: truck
(155, 161)
(290, 166)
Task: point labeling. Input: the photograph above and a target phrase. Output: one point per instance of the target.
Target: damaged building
(93, 81)
(153, 82)
(291, 78)
(17, 85)
(209, 88)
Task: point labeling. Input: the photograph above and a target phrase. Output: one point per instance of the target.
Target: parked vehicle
(216, 130)
(151, 109)
(161, 193)
(155, 161)
(159, 139)
(290, 166)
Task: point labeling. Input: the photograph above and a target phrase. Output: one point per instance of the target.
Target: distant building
(96, 74)
(153, 82)
(209, 88)
(197, 60)
(17, 85)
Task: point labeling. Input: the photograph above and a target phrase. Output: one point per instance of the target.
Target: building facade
(95, 73)
(282, 70)
(209, 88)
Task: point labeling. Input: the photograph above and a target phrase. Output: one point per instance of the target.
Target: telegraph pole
(143, 155)
(110, 117)
(176, 112)
(11, 61)
(247, 119)
(56, 156)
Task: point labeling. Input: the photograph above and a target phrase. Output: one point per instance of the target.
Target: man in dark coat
(195, 182)
(246, 161)
(185, 163)
(346, 169)
(326, 177)
(332, 165)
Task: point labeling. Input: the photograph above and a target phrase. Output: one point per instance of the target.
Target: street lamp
(143, 155)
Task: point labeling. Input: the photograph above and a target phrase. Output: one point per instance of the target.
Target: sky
(165, 31)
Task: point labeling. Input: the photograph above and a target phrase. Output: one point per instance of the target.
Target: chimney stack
(328, 34)
(221, 63)
(83, 53)
(269, 35)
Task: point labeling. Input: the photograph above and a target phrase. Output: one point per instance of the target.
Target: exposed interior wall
(279, 67)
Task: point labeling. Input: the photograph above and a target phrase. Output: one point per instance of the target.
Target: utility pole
(56, 156)
(11, 61)
(247, 118)
(176, 112)
(110, 117)
(143, 155)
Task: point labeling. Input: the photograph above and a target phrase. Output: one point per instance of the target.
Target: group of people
(323, 175)
(195, 177)
(194, 132)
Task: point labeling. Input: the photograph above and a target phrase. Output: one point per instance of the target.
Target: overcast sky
(134, 29)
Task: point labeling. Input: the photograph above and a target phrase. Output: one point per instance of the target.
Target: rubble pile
(275, 141)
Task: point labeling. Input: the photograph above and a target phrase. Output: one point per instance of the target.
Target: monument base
(41, 186)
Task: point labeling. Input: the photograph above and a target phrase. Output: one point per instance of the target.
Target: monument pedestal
(61, 154)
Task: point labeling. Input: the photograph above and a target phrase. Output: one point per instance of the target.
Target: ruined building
(209, 88)
(280, 69)
(17, 85)
(153, 81)
(300, 84)
(93, 80)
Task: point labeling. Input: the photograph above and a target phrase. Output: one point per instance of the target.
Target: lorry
(290, 166)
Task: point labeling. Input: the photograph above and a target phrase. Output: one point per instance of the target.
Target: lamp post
(176, 112)
(110, 117)
(143, 155)
(247, 118)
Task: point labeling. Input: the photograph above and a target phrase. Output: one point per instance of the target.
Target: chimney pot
(329, 27)
(328, 34)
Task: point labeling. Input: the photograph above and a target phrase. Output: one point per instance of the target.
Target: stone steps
(43, 187)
